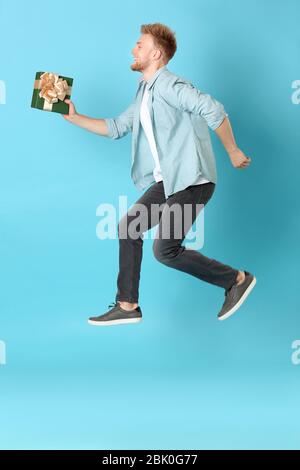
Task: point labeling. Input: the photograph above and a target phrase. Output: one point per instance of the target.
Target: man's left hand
(239, 159)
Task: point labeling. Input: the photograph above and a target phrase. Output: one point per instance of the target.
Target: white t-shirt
(147, 126)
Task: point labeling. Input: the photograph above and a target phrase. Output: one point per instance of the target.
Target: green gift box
(50, 91)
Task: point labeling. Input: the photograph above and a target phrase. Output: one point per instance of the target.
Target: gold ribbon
(53, 88)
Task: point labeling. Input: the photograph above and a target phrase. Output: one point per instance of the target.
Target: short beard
(136, 67)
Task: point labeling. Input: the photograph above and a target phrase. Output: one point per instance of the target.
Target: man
(171, 152)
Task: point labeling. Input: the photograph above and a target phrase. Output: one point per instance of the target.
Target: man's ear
(158, 54)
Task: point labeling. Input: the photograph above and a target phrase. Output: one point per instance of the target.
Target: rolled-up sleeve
(184, 96)
(120, 126)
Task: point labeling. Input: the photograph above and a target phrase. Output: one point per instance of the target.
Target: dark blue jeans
(167, 246)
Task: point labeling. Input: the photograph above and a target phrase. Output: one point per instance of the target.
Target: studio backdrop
(180, 379)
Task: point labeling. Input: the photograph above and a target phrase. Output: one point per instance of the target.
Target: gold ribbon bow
(53, 88)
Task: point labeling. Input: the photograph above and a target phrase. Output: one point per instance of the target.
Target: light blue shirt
(181, 117)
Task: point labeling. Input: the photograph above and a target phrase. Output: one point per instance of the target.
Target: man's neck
(149, 73)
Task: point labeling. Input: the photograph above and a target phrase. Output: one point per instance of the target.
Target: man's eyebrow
(139, 42)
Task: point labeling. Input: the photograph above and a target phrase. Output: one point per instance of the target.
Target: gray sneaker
(236, 295)
(116, 316)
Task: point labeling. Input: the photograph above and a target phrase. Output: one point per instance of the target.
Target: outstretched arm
(225, 134)
(98, 126)
(114, 128)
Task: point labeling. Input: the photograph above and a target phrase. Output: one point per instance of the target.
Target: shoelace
(227, 290)
(113, 304)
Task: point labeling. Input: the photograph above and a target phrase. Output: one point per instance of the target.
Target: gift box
(50, 91)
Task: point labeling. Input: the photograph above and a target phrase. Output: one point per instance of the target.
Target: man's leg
(142, 216)
(170, 251)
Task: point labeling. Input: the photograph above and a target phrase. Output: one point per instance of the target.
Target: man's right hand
(72, 111)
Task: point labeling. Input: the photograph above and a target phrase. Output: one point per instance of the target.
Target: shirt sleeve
(120, 126)
(184, 96)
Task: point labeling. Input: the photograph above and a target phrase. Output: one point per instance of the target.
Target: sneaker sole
(240, 302)
(114, 322)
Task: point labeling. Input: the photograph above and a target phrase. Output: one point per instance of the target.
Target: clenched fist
(239, 159)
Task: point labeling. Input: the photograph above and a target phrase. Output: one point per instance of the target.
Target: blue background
(180, 379)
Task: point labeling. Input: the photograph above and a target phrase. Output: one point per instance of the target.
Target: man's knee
(163, 253)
